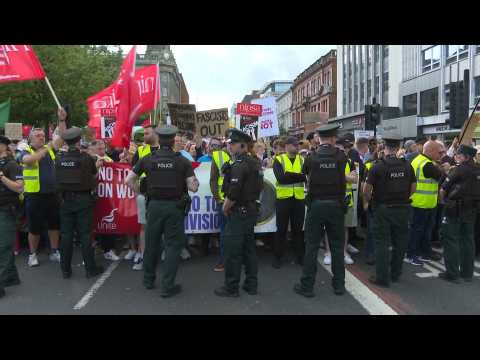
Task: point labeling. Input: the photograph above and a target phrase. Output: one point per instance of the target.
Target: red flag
(146, 88)
(19, 63)
(127, 96)
(101, 105)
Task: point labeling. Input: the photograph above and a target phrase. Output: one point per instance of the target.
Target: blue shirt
(205, 158)
(47, 173)
(187, 155)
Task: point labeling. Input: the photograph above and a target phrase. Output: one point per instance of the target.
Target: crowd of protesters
(39, 221)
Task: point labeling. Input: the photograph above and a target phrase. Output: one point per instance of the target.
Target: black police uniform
(462, 202)
(76, 180)
(325, 170)
(9, 202)
(243, 184)
(391, 179)
(167, 196)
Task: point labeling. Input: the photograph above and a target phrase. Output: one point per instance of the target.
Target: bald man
(424, 203)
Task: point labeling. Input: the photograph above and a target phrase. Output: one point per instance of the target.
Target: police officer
(243, 184)
(11, 184)
(76, 179)
(390, 183)
(290, 203)
(461, 195)
(169, 177)
(325, 170)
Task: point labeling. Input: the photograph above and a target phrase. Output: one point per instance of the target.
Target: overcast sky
(219, 75)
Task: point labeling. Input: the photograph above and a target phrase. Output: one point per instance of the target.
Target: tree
(76, 72)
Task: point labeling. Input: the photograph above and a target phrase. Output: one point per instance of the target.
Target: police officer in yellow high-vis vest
(424, 203)
(220, 158)
(290, 203)
(41, 201)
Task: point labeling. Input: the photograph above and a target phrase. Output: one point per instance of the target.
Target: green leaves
(75, 72)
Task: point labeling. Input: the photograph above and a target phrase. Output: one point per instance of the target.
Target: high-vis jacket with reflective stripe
(31, 173)
(349, 186)
(220, 157)
(426, 195)
(142, 152)
(287, 191)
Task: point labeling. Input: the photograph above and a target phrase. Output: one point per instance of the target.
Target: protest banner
(363, 134)
(212, 123)
(116, 206)
(107, 126)
(203, 216)
(249, 125)
(14, 131)
(182, 116)
(249, 109)
(19, 63)
(267, 122)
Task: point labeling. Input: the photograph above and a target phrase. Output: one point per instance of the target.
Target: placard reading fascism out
(211, 123)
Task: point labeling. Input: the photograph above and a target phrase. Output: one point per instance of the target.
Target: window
(478, 49)
(308, 90)
(362, 94)
(446, 94)
(355, 98)
(369, 90)
(410, 105)
(431, 58)
(476, 86)
(385, 89)
(385, 51)
(377, 87)
(429, 102)
(455, 52)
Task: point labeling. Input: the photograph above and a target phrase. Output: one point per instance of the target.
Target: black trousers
(290, 211)
(477, 234)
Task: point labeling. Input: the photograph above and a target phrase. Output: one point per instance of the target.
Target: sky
(219, 75)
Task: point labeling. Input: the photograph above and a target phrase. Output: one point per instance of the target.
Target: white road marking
(101, 280)
(440, 251)
(370, 301)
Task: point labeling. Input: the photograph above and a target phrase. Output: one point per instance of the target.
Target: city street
(119, 291)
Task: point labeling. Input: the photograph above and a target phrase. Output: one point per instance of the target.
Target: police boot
(373, 279)
(177, 289)
(95, 271)
(2, 292)
(300, 291)
(249, 290)
(224, 292)
(445, 276)
(277, 262)
(11, 282)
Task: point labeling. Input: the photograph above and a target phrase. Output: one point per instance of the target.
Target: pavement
(119, 291)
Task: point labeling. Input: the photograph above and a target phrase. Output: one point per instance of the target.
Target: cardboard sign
(362, 134)
(212, 122)
(470, 129)
(249, 109)
(249, 125)
(182, 116)
(13, 131)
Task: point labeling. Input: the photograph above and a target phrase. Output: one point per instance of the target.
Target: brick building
(314, 91)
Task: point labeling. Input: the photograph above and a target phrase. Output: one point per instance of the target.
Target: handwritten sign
(182, 116)
(211, 123)
(13, 131)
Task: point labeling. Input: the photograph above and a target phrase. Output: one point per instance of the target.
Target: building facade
(275, 88)
(284, 115)
(173, 88)
(366, 74)
(314, 90)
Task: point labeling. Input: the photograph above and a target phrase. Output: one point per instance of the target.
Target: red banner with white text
(116, 206)
(19, 63)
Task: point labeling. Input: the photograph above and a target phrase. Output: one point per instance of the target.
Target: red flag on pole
(127, 96)
(19, 63)
(102, 104)
(146, 87)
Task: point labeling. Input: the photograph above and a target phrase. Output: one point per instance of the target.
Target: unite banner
(116, 206)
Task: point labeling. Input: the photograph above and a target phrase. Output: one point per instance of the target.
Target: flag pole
(156, 95)
(53, 92)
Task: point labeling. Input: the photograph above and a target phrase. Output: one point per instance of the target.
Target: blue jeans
(223, 222)
(421, 227)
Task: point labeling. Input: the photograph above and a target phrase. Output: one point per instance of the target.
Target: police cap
(467, 150)
(392, 139)
(291, 140)
(166, 131)
(237, 136)
(73, 133)
(4, 140)
(328, 130)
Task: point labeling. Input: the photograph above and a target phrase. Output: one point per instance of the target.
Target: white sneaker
(327, 260)
(352, 250)
(111, 256)
(32, 260)
(185, 255)
(348, 260)
(130, 255)
(259, 243)
(55, 256)
(138, 255)
(138, 264)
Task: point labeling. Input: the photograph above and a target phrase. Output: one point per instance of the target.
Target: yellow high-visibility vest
(287, 191)
(31, 173)
(220, 157)
(142, 152)
(426, 194)
(349, 186)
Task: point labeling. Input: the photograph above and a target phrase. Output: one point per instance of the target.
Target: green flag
(4, 113)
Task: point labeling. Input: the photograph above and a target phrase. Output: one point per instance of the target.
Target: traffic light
(372, 116)
(459, 102)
